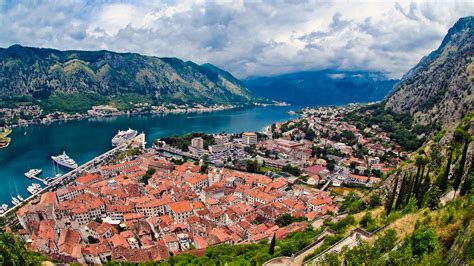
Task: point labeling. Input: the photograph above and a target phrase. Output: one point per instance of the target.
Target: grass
(447, 220)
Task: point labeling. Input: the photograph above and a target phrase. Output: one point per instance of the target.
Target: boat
(20, 197)
(64, 160)
(15, 201)
(5, 207)
(122, 136)
(34, 188)
(33, 173)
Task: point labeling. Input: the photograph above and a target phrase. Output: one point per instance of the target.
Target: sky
(247, 38)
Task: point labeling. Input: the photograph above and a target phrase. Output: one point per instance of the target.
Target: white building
(197, 143)
(249, 138)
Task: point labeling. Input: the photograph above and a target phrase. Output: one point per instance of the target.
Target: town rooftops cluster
(115, 214)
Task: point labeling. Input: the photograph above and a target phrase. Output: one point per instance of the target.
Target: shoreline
(149, 112)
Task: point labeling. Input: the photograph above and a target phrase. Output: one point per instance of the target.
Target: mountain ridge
(41, 72)
(439, 89)
(327, 87)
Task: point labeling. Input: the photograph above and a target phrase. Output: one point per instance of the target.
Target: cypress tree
(407, 195)
(443, 182)
(399, 201)
(460, 170)
(467, 184)
(272, 245)
(425, 187)
(391, 197)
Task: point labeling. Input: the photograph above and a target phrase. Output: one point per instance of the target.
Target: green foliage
(341, 226)
(423, 241)
(433, 198)
(468, 182)
(72, 103)
(251, 166)
(352, 203)
(129, 100)
(294, 170)
(399, 126)
(13, 252)
(287, 219)
(460, 170)
(367, 222)
(149, 173)
(249, 254)
(182, 142)
(391, 197)
(443, 179)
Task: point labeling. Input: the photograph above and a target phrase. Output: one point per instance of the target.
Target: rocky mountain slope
(40, 73)
(324, 87)
(440, 88)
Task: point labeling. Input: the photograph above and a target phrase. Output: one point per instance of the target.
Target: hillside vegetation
(49, 75)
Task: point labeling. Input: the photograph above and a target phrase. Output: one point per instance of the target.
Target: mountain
(325, 87)
(41, 73)
(439, 89)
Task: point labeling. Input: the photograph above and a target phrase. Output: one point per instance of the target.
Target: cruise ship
(122, 136)
(64, 160)
(33, 172)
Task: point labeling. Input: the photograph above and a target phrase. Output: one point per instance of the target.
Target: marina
(71, 175)
(83, 145)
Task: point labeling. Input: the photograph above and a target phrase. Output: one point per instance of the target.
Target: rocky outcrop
(440, 88)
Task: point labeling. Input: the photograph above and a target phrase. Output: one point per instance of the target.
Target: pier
(73, 174)
(40, 179)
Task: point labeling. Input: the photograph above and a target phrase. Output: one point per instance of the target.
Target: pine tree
(272, 245)
(402, 192)
(391, 197)
(443, 182)
(460, 170)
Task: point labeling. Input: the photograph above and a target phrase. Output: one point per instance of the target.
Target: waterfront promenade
(73, 174)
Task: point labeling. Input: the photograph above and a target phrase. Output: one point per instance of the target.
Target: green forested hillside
(41, 74)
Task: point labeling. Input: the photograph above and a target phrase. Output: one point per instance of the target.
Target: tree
(434, 198)
(391, 197)
(367, 222)
(425, 187)
(291, 170)
(330, 259)
(423, 241)
(331, 166)
(251, 166)
(467, 184)
(460, 170)
(443, 180)
(398, 203)
(271, 250)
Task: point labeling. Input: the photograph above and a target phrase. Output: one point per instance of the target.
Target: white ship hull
(123, 136)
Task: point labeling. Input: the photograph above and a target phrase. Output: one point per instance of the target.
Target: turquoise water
(85, 139)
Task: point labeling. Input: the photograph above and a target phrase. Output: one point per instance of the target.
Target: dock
(40, 179)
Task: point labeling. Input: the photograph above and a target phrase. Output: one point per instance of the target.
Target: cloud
(247, 38)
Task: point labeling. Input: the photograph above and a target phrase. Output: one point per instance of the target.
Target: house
(181, 211)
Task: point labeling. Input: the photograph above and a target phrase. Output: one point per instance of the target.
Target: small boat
(20, 198)
(34, 188)
(5, 207)
(33, 173)
(15, 201)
